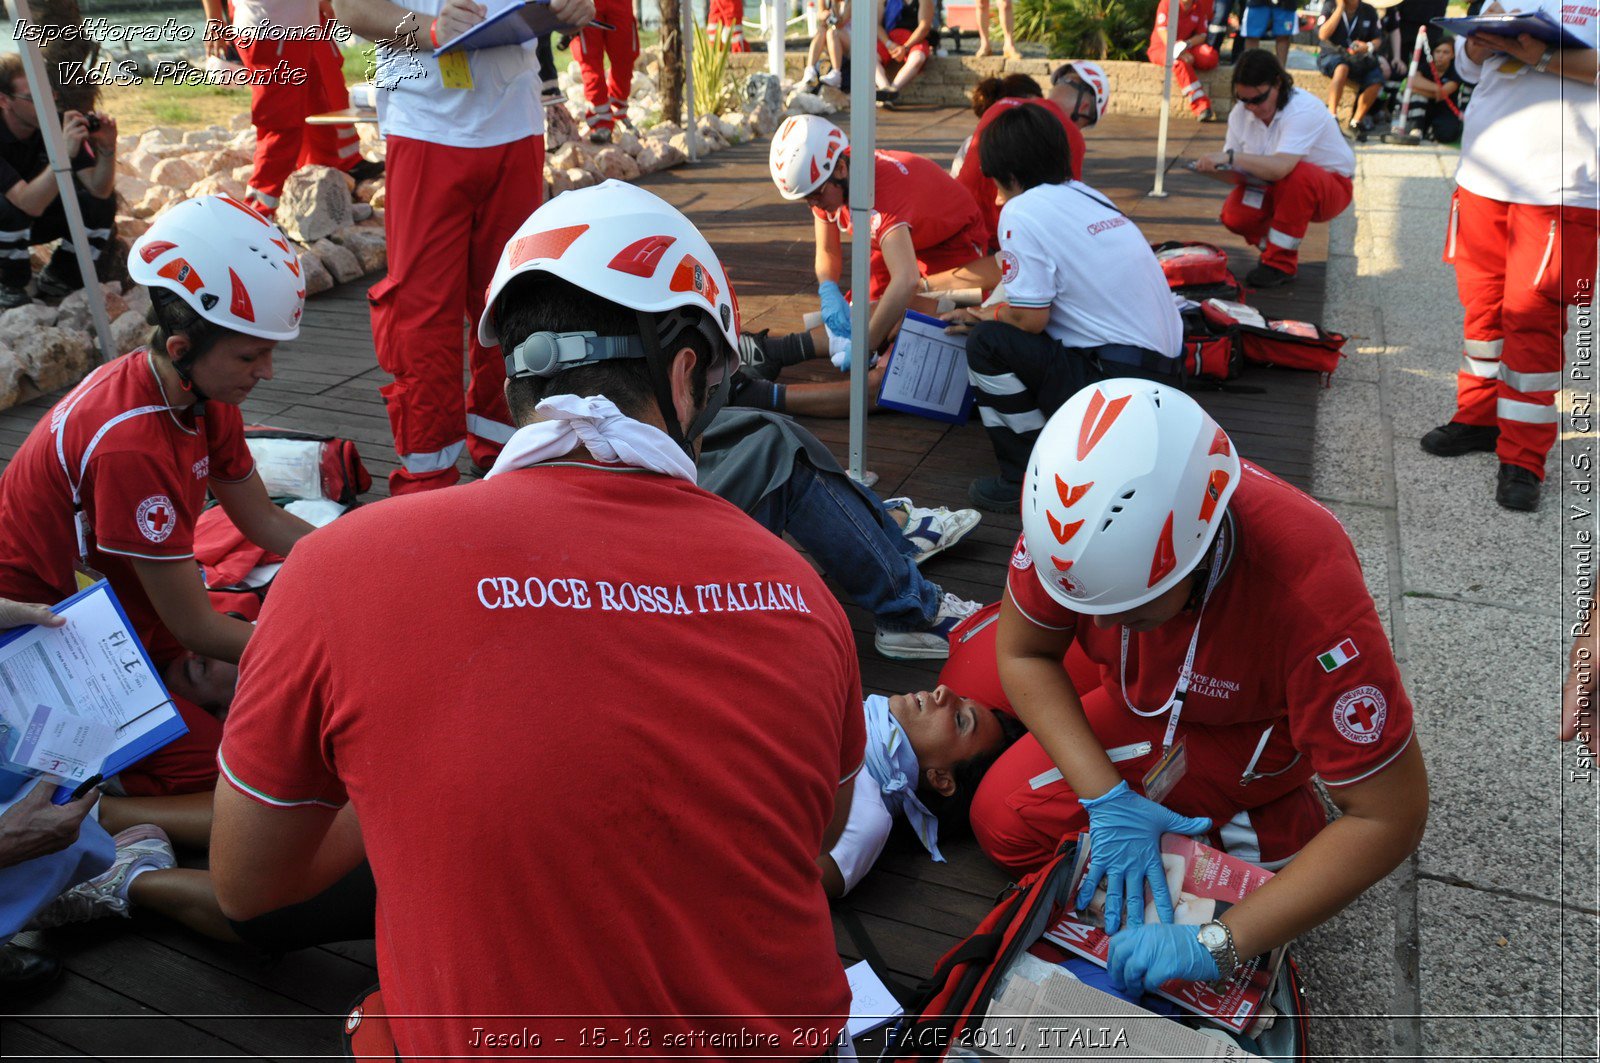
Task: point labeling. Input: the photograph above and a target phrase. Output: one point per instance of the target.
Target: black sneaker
(56, 284)
(26, 971)
(1208, 116)
(1517, 488)
(753, 356)
(366, 170)
(1265, 276)
(600, 135)
(11, 298)
(996, 494)
(888, 97)
(1453, 439)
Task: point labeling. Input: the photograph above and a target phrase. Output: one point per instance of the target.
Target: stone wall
(1135, 87)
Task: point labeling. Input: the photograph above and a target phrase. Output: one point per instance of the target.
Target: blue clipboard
(518, 23)
(959, 416)
(1536, 24)
(136, 750)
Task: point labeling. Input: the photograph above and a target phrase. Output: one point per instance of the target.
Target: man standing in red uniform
(1194, 54)
(607, 91)
(608, 654)
(1522, 237)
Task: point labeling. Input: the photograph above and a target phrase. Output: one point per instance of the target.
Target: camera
(92, 121)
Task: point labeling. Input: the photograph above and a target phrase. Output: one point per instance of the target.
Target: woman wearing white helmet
(1239, 654)
(113, 479)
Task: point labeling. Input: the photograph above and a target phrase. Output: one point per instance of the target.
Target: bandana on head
(892, 763)
(595, 423)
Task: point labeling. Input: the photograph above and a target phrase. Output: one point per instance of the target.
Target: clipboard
(1536, 24)
(517, 23)
(926, 374)
(155, 721)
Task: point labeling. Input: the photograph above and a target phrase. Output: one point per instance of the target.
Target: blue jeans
(846, 529)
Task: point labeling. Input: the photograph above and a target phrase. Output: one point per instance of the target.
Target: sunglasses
(1251, 101)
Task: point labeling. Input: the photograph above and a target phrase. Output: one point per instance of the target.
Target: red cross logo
(156, 518)
(1358, 715)
(1362, 714)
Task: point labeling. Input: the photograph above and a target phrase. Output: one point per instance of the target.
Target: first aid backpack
(945, 1018)
(1290, 344)
(304, 465)
(1197, 270)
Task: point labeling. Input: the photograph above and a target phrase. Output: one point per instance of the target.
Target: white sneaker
(833, 79)
(931, 644)
(142, 848)
(808, 78)
(936, 529)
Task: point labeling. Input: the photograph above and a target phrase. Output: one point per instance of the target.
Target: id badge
(84, 576)
(1253, 198)
(455, 70)
(1159, 780)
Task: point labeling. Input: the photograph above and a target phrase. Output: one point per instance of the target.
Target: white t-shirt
(1303, 127)
(1066, 247)
(288, 14)
(1531, 138)
(502, 105)
(865, 831)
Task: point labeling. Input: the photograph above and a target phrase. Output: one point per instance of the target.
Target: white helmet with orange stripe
(805, 149)
(1124, 494)
(230, 265)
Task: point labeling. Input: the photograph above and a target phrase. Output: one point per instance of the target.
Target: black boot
(24, 971)
(1453, 439)
(1517, 488)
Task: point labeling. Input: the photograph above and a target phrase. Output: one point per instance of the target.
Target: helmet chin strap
(659, 335)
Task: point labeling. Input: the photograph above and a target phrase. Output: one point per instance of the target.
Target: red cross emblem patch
(1359, 714)
(156, 518)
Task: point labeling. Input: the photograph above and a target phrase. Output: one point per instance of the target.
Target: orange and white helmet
(233, 267)
(1093, 75)
(804, 152)
(1124, 493)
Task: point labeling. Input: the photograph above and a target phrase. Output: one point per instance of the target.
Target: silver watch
(1217, 939)
(1544, 60)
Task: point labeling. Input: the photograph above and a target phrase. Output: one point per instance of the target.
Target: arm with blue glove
(1143, 958)
(1125, 831)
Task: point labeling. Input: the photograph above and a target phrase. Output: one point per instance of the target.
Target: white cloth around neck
(567, 422)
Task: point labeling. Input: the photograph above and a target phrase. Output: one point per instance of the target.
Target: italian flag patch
(1339, 656)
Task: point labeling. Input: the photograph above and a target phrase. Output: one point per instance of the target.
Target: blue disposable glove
(1125, 831)
(835, 309)
(1144, 957)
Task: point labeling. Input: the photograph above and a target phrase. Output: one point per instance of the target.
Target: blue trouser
(1217, 30)
(27, 887)
(846, 529)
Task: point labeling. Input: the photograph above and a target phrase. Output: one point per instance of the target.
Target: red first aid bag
(1290, 344)
(1196, 270)
(1210, 352)
(304, 465)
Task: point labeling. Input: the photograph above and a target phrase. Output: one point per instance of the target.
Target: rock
(53, 357)
(242, 174)
(808, 103)
(138, 298)
(243, 141)
(557, 181)
(559, 126)
(160, 135)
(763, 88)
(664, 131)
(315, 203)
(126, 143)
(132, 189)
(26, 318)
(573, 155)
(614, 163)
(216, 185)
(200, 138)
(340, 261)
(129, 331)
(124, 167)
(73, 313)
(156, 199)
(315, 274)
(225, 160)
(711, 135)
(579, 178)
(379, 198)
(360, 212)
(367, 243)
(626, 140)
(140, 162)
(175, 173)
(131, 228)
(735, 127)
(10, 377)
(763, 120)
(643, 85)
(365, 189)
(240, 121)
(680, 144)
(669, 153)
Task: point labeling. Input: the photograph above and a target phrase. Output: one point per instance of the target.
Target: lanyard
(1174, 704)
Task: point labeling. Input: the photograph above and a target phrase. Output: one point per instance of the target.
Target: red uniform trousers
(725, 21)
(450, 213)
(1518, 267)
(607, 90)
(1306, 194)
(1023, 809)
(278, 110)
(1203, 57)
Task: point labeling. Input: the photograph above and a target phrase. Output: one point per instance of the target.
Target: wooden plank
(102, 1023)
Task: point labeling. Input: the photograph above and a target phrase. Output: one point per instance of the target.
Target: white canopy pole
(66, 185)
(863, 120)
(690, 28)
(1174, 18)
(777, 30)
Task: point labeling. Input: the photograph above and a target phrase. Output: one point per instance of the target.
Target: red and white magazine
(1203, 883)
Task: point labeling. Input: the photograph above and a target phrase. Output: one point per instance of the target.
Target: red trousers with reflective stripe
(607, 90)
(450, 213)
(278, 110)
(1518, 267)
(1020, 818)
(1305, 194)
(1203, 57)
(726, 18)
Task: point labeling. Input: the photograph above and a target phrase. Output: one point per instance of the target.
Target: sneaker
(809, 79)
(1208, 116)
(142, 848)
(934, 530)
(602, 135)
(753, 356)
(834, 79)
(931, 644)
(888, 97)
(1517, 488)
(55, 284)
(366, 170)
(11, 298)
(996, 494)
(1453, 439)
(1265, 276)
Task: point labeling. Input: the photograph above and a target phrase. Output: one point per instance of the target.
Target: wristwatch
(1217, 939)
(1544, 60)
(1230, 158)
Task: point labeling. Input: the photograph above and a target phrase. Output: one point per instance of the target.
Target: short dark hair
(11, 71)
(991, 89)
(1260, 67)
(541, 302)
(1025, 147)
(954, 812)
(172, 316)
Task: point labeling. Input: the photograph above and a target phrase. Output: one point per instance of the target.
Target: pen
(84, 787)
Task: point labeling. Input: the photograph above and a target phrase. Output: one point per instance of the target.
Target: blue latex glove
(835, 309)
(1125, 831)
(1144, 957)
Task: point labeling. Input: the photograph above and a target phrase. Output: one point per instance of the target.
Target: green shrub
(1088, 29)
(715, 81)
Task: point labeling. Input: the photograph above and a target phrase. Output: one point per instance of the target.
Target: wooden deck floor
(145, 988)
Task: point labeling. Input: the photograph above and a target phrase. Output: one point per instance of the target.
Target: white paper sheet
(927, 371)
(871, 1003)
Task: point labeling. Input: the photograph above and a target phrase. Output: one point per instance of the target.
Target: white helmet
(805, 150)
(1123, 494)
(1093, 75)
(229, 264)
